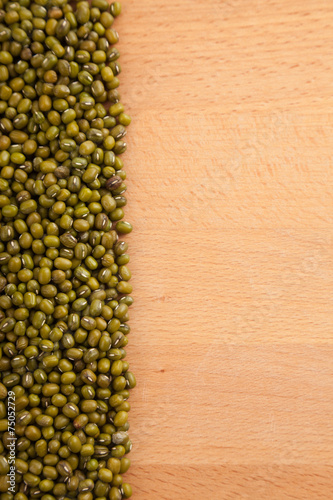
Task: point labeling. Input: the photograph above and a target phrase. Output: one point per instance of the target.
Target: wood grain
(230, 190)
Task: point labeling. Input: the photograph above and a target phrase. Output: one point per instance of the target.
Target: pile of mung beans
(64, 279)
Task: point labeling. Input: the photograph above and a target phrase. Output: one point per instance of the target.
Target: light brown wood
(230, 191)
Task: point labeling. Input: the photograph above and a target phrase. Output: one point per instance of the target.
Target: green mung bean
(64, 275)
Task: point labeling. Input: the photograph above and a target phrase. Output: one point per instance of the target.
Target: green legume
(63, 325)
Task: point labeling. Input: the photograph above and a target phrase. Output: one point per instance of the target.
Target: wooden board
(230, 191)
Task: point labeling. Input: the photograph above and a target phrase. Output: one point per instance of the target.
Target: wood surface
(229, 169)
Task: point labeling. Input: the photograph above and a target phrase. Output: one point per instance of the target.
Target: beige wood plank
(230, 190)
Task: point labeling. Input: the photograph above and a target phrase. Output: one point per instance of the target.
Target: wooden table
(230, 190)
